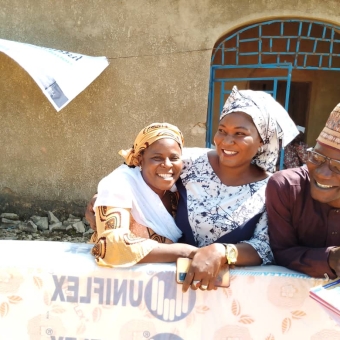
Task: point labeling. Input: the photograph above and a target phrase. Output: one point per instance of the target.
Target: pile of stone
(50, 228)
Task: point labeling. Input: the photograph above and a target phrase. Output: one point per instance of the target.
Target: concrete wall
(159, 54)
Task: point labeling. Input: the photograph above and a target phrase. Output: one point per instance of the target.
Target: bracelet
(231, 253)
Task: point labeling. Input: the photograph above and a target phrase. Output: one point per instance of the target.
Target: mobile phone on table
(183, 264)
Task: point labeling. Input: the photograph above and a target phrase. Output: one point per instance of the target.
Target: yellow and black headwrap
(149, 135)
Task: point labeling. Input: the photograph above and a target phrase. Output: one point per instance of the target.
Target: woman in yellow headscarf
(135, 207)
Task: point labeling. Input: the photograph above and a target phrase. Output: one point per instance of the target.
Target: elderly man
(303, 207)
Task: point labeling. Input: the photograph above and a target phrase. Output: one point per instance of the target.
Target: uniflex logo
(165, 300)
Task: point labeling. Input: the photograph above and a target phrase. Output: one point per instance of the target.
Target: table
(55, 291)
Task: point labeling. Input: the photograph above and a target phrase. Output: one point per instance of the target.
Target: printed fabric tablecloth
(55, 291)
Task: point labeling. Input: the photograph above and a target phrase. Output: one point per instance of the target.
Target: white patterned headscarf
(270, 118)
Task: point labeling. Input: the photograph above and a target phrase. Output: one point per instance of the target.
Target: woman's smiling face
(237, 139)
(161, 165)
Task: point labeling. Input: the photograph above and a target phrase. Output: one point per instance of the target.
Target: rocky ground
(45, 228)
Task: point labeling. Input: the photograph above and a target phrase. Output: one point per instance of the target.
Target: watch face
(232, 255)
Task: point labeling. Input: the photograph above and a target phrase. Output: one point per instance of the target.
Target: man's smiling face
(325, 183)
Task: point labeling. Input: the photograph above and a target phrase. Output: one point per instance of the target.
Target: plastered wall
(159, 53)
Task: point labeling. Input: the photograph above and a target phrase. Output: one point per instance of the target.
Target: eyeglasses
(318, 159)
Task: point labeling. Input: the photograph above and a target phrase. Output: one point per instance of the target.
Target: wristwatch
(230, 253)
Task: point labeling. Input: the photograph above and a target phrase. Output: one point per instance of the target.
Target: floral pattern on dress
(216, 209)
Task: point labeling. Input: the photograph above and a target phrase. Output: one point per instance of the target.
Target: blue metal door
(276, 45)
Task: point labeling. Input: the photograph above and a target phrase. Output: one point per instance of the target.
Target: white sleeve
(114, 191)
(189, 155)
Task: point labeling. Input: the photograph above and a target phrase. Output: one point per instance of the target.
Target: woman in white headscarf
(222, 192)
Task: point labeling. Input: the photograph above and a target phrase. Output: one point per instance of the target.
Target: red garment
(295, 154)
(301, 230)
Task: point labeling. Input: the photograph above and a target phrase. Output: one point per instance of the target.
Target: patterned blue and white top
(210, 211)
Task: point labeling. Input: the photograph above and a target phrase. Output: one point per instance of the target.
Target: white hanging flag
(61, 75)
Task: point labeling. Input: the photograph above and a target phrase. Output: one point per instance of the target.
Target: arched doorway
(290, 59)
